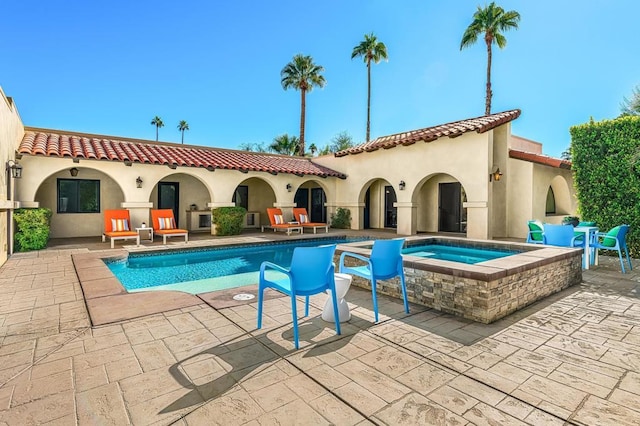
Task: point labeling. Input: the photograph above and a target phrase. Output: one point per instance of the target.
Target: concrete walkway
(571, 359)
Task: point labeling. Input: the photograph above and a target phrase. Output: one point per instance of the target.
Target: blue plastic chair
(536, 232)
(385, 263)
(562, 236)
(311, 272)
(615, 239)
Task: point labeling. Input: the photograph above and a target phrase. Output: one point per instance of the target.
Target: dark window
(551, 202)
(78, 196)
(241, 196)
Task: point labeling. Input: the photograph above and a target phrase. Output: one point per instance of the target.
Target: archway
(187, 196)
(440, 200)
(379, 199)
(312, 196)
(255, 195)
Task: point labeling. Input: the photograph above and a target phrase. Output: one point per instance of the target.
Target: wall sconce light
(495, 176)
(73, 171)
(401, 185)
(288, 187)
(16, 169)
(139, 182)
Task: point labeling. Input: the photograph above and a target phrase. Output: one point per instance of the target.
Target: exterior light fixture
(73, 171)
(16, 169)
(139, 182)
(495, 176)
(288, 187)
(402, 185)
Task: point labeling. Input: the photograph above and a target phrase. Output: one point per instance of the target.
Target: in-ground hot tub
(484, 291)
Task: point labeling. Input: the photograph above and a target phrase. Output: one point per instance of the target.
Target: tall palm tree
(182, 126)
(285, 145)
(302, 74)
(157, 121)
(371, 50)
(491, 21)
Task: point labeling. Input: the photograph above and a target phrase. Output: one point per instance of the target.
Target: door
(302, 198)
(169, 197)
(449, 210)
(390, 212)
(318, 211)
(367, 209)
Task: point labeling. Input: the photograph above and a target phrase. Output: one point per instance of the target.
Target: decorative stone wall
(483, 292)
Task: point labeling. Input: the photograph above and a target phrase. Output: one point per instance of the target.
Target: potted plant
(573, 220)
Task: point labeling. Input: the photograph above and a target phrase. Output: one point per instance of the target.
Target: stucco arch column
(477, 219)
(407, 218)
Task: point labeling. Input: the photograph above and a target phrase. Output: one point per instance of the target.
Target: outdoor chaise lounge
(117, 226)
(302, 217)
(164, 224)
(276, 220)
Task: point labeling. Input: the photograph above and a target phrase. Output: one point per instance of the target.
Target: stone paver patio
(573, 358)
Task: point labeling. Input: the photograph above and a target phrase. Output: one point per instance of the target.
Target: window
(78, 196)
(241, 196)
(551, 202)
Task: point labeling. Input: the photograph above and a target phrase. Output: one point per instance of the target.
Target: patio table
(588, 231)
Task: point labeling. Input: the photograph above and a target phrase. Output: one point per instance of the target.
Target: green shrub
(606, 160)
(228, 220)
(32, 231)
(341, 219)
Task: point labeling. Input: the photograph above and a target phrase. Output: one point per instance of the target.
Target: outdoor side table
(147, 229)
(343, 282)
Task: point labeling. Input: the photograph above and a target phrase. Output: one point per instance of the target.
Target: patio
(571, 358)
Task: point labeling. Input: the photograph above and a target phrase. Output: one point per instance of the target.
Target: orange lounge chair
(117, 226)
(302, 217)
(163, 223)
(277, 222)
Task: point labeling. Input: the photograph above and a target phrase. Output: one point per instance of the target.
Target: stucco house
(471, 177)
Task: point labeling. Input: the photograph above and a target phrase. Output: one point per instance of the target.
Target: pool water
(467, 255)
(204, 270)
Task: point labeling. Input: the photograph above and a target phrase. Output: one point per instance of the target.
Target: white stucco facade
(412, 187)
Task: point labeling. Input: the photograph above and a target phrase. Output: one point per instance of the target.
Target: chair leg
(373, 297)
(306, 306)
(260, 290)
(628, 259)
(336, 313)
(294, 313)
(621, 262)
(404, 293)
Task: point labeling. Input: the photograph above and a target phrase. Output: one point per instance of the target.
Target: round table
(343, 282)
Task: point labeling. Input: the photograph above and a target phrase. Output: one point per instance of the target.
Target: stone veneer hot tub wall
(483, 292)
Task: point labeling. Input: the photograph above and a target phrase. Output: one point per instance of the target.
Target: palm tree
(490, 21)
(157, 121)
(182, 126)
(371, 50)
(285, 145)
(302, 74)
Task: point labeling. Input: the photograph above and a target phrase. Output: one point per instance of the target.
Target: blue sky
(110, 67)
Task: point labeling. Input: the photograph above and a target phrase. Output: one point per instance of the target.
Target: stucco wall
(11, 131)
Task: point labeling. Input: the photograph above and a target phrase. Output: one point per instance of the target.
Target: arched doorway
(312, 197)
(380, 209)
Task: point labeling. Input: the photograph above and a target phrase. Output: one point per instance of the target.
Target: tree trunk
(183, 137)
(487, 105)
(157, 132)
(302, 114)
(368, 97)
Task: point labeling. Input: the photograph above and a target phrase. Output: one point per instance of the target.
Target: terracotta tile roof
(430, 134)
(54, 143)
(540, 159)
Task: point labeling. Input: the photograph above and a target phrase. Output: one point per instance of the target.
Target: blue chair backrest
(385, 256)
(558, 235)
(311, 268)
(624, 229)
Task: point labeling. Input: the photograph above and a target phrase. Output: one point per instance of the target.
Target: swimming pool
(469, 255)
(203, 270)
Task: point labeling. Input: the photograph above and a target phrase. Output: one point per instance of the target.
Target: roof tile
(540, 159)
(429, 134)
(53, 143)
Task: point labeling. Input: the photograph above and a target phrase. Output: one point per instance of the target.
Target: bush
(32, 231)
(341, 219)
(228, 220)
(606, 160)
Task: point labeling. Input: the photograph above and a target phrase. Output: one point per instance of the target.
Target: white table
(149, 230)
(343, 282)
(588, 231)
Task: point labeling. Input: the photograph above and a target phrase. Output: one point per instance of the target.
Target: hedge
(228, 220)
(606, 161)
(32, 231)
